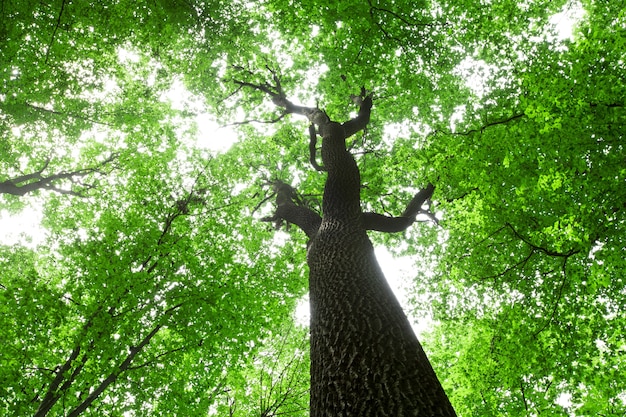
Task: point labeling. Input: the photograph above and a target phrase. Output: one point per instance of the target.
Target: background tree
(126, 308)
(528, 266)
(133, 296)
(274, 383)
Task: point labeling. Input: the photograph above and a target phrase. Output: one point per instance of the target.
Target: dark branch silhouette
(121, 368)
(37, 180)
(287, 209)
(56, 28)
(484, 127)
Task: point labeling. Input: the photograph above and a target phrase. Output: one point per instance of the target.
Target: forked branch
(27, 183)
(315, 115)
(334, 135)
(388, 224)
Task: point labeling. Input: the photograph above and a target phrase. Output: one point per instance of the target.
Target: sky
(24, 227)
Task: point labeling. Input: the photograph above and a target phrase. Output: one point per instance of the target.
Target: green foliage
(135, 263)
(532, 195)
(275, 382)
(521, 132)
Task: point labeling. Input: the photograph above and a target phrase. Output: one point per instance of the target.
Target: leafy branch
(404, 20)
(66, 374)
(379, 16)
(483, 127)
(124, 366)
(54, 389)
(536, 248)
(54, 32)
(65, 114)
(285, 386)
(558, 298)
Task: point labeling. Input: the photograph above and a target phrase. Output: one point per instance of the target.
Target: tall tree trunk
(365, 357)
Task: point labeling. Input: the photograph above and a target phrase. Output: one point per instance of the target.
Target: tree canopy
(158, 290)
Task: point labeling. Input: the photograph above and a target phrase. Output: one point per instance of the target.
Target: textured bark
(365, 357)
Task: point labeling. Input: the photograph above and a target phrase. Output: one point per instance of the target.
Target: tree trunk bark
(365, 357)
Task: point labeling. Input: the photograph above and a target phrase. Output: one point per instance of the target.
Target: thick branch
(113, 375)
(313, 149)
(365, 108)
(381, 223)
(288, 211)
(387, 224)
(52, 395)
(415, 205)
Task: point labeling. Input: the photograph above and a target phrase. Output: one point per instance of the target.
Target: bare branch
(521, 385)
(415, 205)
(245, 122)
(27, 183)
(275, 91)
(288, 211)
(382, 223)
(157, 357)
(388, 224)
(396, 15)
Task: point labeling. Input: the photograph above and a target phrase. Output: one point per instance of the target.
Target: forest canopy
(156, 289)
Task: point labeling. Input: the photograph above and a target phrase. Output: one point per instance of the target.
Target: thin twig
(54, 32)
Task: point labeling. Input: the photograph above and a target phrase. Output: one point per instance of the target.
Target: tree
(137, 307)
(365, 358)
(138, 300)
(534, 201)
(274, 383)
(519, 127)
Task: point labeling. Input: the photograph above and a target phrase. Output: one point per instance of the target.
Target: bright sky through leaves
(514, 110)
